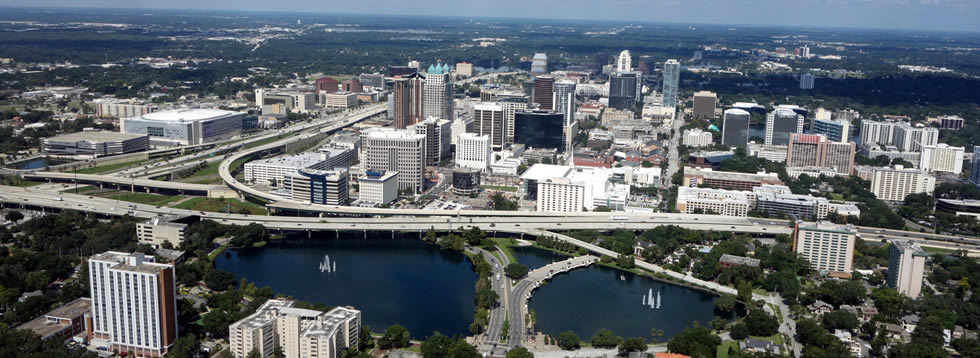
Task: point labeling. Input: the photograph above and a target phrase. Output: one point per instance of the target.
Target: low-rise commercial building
(697, 138)
(729, 261)
(338, 100)
(64, 322)
(772, 153)
(171, 229)
(694, 176)
(377, 188)
(185, 126)
(964, 207)
(273, 170)
(327, 187)
(828, 247)
(713, 201)
(95, 143)
(466, 181)
(558, 188)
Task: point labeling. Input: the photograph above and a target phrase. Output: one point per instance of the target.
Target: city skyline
(928, 15)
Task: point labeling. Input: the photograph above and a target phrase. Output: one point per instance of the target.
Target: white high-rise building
(942, 158)
(395, 150)
(874, 133)
(906, 265)
(564, 100)
(437, 97)
(134, 303)
(473, 151)
(438, 138)
(691, 200)
(510, 108)
(697, 138)
(624, 63)
(911, 139)
(894, 184)
(672, 77)
(828, 247)
(462, 124)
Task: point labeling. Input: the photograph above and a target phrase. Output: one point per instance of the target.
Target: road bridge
(133, 184)
(521, 293)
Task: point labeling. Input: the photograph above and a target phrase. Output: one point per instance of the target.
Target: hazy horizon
(928, 15)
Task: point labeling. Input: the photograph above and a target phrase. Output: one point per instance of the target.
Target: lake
(402, 280)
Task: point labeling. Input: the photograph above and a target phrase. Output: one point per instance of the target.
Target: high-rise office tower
(395, 150)
(622, 90)
(134, 302)
(543, 92)
(539, 129)
(539, 63)
(489, 120)
(624, 63)
(835, 130)
(780, 124)
(906, 265)
(806, 81)
(735, 128)
(510, 106)
(438, 138)
(975, 166)
(814, 150)
(408, 93)
(438, 94)
(704, 104)
(601, 59)
(564, 99)
(672, 77)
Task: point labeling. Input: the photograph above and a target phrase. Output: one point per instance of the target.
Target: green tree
(430, 236)
(515, 271)
(519, 352)
(718, 323)
(461, 349)
(14, 216)
(184, 347)
(436, 346)
(254, 353)
(219, 280)
(695, 341)
(568, 341)
(633, 344)
(365, 340)
(739, 331)
(744, 291)
(839, 319)
(725, 303)
(605, 338)
(396, 336)
(760, 323)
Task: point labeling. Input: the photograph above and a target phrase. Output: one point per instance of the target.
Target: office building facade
(473, 151)
(835, 130)
(735, 128)
(624, 62)
(134, 303)
(489, 121)
(564, 100)
(539, 63)
(378, 187)
(272, 171)
(704, 104)
(539, 129)
(543, 92)
(780, 124)
(510, 107)
(975, 166)
(672, 75)
(326, 187)
(407, 94)
(185, 126)
(622, 91)
(806, 81)
(395, 150)
(826, 246)
(906, 266)
(95, 143)
(894, 184)
(438, 138)
(814, 150)
(437, 96)
(694, 200)
(727, 180)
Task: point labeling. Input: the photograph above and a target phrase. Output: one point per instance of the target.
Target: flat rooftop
(187, 115)
(298, 161)
(58, 319)
(94, 137)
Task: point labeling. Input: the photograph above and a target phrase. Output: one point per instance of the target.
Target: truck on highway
(618, 217)
(58, 198)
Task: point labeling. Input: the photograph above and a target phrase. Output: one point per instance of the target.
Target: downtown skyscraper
(672, 76)
(437, 96)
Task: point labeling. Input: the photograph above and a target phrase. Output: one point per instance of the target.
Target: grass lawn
(18, 181)
(81, 189)
(937, 250)
(499, 187)
(267, 140)
(723, 348)
(776, 338)
(110, 167)
(218, 205)
(141, 198)
(505, 245)
(206, 175)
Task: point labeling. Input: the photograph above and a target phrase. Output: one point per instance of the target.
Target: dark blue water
(588, 299)
(404, 280)
(36, 163)
(534, 257)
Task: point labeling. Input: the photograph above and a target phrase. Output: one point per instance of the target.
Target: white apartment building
(116, 108)
(273, 170)
(828, 247)
(134, 305)
(377, 188)
(697, 138)
(942, 158)
(772, 153)
(394, 150)
(716, 201)
(296, 332)
(906, 264)
(894, 184)
(338, 100)
(473, 151)
(909, 138)
(874, 133)
(462, 124)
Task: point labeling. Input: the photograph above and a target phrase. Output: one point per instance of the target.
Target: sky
(938, 15)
